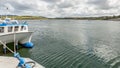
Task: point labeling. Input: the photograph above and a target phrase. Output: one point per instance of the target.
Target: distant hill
(9, 15)
(76, 18)
(92, 18)
(24, 17)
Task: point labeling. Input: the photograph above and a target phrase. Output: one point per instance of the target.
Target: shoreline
(109, 18)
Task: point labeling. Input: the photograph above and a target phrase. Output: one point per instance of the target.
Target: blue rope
(22, 62)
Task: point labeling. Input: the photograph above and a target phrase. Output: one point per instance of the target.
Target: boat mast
(1, 11)
(13, 15)
(7, 12)
(0, 16)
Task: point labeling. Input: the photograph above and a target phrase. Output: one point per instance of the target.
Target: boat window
(1, 29)
(10, 29)
(23, 28)
(16, 28)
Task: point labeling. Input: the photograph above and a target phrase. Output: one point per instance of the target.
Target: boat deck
(11, 62)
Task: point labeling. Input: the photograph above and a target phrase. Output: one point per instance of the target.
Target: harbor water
(74, 43)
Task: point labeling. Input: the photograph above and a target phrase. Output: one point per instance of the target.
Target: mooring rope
(22, 63)
(7, 47)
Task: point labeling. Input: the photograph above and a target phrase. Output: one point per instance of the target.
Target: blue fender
(28, 45)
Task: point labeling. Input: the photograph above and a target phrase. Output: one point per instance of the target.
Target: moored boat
(12, 28)
(13, 31)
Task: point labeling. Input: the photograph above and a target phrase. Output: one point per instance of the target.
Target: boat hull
(21, 37)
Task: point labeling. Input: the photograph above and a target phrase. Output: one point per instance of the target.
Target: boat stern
(26, 41)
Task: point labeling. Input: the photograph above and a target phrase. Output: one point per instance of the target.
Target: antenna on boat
(0, 15)
(7, 11)
(13, 15)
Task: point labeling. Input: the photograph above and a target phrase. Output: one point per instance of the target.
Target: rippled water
(75, 44)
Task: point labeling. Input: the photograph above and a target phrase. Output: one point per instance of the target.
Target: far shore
(112, 18)
(117, 19)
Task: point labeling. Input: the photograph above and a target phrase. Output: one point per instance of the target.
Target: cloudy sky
(61, 8)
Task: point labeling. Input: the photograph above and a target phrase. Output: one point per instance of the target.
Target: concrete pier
(11, 62)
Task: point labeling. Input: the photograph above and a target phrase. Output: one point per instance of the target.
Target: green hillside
(25, 17)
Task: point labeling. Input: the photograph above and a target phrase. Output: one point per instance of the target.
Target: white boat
(12, 28)
(13, 31)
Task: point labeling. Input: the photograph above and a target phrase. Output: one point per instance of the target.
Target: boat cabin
(11, 26)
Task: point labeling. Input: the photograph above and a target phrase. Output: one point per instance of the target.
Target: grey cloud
(18, 5)
(51, 1)
(52, 6)
(100, 4)
(65, 5)
(21, 6)
(62, 8)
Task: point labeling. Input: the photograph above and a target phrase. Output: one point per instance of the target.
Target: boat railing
(15, 22)
(8, 21)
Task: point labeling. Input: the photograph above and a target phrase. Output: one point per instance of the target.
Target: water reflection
(78, 44)
(75, 44)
